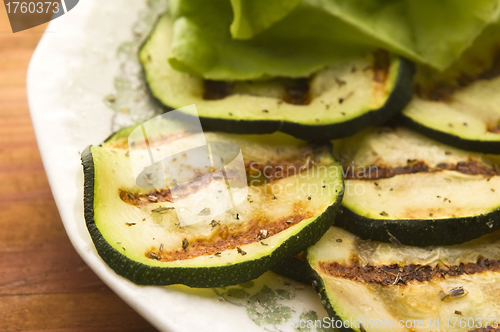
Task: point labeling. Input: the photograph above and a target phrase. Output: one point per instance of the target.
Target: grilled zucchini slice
(373, 286)
(402, 186)
(294, 191)
(335, 102)
(461, 106)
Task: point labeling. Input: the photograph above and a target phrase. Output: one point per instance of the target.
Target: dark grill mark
(297, 92)
(443, 90)
(381, 65)
(494, 70)
(156, 196)
(224, 238)
(487, 329)
(214, 90)
(374, 172)
(470, 167)
(394, 274)
(438, 92)
(494, 130)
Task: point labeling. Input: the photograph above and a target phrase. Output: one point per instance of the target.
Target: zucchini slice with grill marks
(402, 186)
(335, 102)
(373, 286)
(461, 106)
(293, 193)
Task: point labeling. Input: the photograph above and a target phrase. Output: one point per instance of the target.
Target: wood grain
(44, 285)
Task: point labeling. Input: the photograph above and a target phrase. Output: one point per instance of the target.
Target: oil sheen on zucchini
(335, 102)
(136, 230)
(373, 286)
(404, 187)
(461, 106)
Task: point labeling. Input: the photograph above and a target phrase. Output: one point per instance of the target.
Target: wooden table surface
(44, 284)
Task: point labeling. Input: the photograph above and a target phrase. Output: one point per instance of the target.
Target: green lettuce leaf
(202, 44)
(434, 32)
(318, 33)
(254, 16)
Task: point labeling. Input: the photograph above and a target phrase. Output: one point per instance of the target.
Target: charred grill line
(381, 65)
(470, 167)
(442, 89)
(223, 239)
(384, 275)
(487, 329)
(297, 92)
(214, 90)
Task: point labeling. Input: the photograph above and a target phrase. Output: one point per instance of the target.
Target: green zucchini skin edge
(455, 141)
(302, 272)
(419, 232)
(295, 269)
(200, 277)
(319, 286)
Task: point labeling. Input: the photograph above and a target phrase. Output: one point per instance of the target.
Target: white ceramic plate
(84, 82)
